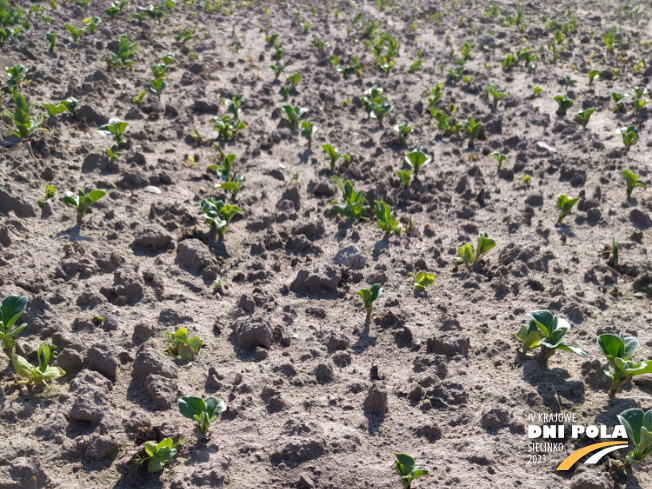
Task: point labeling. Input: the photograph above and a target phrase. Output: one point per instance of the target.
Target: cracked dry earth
(316, 396)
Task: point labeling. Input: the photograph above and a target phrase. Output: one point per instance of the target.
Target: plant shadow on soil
(73, 233)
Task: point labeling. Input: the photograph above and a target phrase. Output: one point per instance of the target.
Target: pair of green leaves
(469, 255)
(335, 154)
(638, 425)
(369, 296)
(203, 412)
(36, 375)
(294, 114)
(632, 181)
(218, 215)
(25, 124)
(407, 470)
(182, 346)
(402, 131)
(619, 351)
(82, 201)
(584, 116)
(386, 219)
(158, 454)
(629, 135)
(227, 127)
(11, 309)
(355, 204)
(547, 330)
(564, 103)
(417, 159)
(422, 280)
(565, 205)
(115, 129)
(69, 105)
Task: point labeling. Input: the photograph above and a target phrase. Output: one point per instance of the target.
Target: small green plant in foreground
(629, 135)
(16, 74)
(116, 129)
(386, 219)
(50, 191)
(422, 280)
(218, 215)
(334, 154)
(158, 454)
(564, 103)
(308, 129)
(406, 177)
(469, 255)
(82, 201)
(638, 425)
(610, 252)
(500, 158)
(355, 204)
(36, 375)
(12, 307)
(181, 346)
(51, 38)
(407, 470)
(565, 205)
(619, 100)
(592, 75)
(402, 131)
(619, 351)
(25, 124)
(417, 159)
(369, 296)
(473, 128)
(546, 330)
(203, 412)
(632, 181)
(68, 105)
(584, 116)
(294, 114)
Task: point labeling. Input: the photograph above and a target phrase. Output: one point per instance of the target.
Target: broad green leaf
(12, 307)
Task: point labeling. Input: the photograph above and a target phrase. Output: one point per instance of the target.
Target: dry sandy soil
(316, 396)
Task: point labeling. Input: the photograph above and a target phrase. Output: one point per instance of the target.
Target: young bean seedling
(181, 346)
(49, 194)
(334, 154)
(564, 104)
(369, 296)
(227, 127)
(308, 129)
(632, 181)
(386, 219)
(355, 204)
(592, 75)
(202, 412)
(407, 470)
(82, 201)
(500, 158)
(158, 454)
(25, 124)
(547, 330)
(619, 351)
(406, 177)
(16, 74)
(629, 135)
(638, 425)
(51, 38)
(294, 114)
(565, 205)
(619, 100)
(584, 116)
(402, 131)
(610, 253)
(639, 102)
(234, 105)
(469, 255)
(422, 280)
(74, 32)
(68, 105)
(12, 308)
(417, 159)
(36, 375)
(116, 129)
(218, 215)
(473, 128)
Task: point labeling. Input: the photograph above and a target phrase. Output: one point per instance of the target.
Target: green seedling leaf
(565, 205)
(406, 177)
(584, 116)
(354, 205)
(82, 201)
(181, 346)
(369, 296)
(423, 280)
(158, 454)
(632, 181)
(294, 114)
(116, 129)
(386, 219)
(334, 154)
(307, 131)
(218, 215)
(417, 159)
(30, 375)
(407, 471)
(564, 104)
(202, 412)
(629, 135)
(619, 351)
(500, 158)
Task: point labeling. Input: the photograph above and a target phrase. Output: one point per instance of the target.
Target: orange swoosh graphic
(575, 456)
